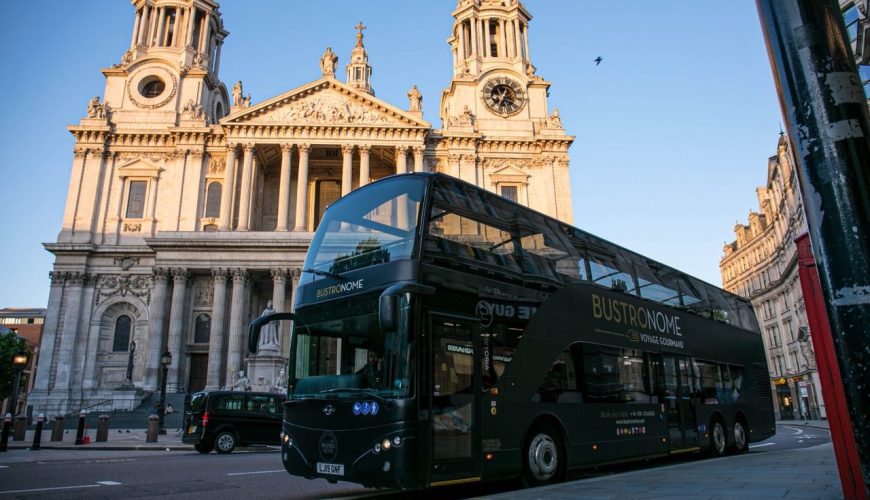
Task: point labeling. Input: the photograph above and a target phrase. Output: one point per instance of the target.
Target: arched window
(213, 200)
(201, 329)
(122, 333)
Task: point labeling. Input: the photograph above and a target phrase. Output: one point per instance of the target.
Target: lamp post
(19, 361)
(165, 361)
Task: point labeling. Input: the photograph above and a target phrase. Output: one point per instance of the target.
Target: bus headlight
(377, 448)
(386, 444)
(397, 441)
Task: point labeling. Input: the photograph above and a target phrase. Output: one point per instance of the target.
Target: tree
(10, 345)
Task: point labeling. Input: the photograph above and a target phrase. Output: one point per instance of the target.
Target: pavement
(801, 473)
(118, 439)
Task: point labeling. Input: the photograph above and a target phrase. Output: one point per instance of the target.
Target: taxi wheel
(203, 448)
(225, 442)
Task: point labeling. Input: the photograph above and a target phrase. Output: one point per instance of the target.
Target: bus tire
(741, 437)
(225, 442)
(718, 438)
(543, 456)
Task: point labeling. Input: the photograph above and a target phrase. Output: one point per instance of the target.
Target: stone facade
(190, 207)
(761, 265)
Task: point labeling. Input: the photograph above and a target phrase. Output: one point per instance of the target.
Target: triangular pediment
(510, 172)
(325, 102)
(139, 168)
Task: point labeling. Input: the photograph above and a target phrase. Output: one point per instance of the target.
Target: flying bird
(598, 60)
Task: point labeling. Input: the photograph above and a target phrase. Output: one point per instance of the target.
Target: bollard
(20, 428)
(4, 436)
(153, 429)
(37, 435)
(80, 432)
(103, 429)
(57, 430)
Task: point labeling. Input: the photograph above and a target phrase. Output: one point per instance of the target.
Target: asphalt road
(71, 474)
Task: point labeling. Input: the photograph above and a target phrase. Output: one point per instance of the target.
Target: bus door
(454, 402)
(677, 381)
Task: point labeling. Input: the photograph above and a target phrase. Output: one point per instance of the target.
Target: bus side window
(560, 382)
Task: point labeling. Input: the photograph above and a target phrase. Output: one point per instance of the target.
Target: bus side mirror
(257, 324)
(388, 313)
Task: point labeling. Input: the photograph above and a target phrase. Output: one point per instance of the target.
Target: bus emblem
(328, 410)
(328, 446)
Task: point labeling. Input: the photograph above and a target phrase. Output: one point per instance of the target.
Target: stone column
(245, 194)
(502, 35)
(155, 328)
(69, 334)
(302, 190)
(49, 331)
(486, 38)
(364, 167)
(517, 42)
(136, 29)
(152, 26)
(461, 36)
(526, 44)
(176, 326)
(161, 21)
(216, 66)
(237, 326)
(401, 159)
(218, 333)
(143, 25)
(294, 278)
(229, 189)
(284, 187)
(472, 32)
(509, 34)
(188, 32)
(346, 169)
(418, 159)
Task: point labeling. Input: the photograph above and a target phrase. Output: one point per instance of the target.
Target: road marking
(52, 489)
(108, 483)
(255, 472)
(762, 444)
(4, 466)
(797, 431)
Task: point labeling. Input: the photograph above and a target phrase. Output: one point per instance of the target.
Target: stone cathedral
(190, 208)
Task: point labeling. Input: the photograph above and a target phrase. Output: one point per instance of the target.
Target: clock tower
(498, 131)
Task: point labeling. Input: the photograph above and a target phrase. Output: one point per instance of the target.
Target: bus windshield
(375, 226)
(339, 350)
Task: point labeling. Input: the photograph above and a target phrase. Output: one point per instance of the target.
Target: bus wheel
(718, 442)
(741, 443)
(543, 460)
(225, 442)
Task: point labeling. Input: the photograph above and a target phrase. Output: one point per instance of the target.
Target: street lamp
(19, 361)
(165, 361)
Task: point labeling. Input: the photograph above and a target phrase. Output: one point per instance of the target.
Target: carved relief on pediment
(112, 285)
(326, 108)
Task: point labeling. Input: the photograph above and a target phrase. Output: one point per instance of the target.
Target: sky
(673, 129)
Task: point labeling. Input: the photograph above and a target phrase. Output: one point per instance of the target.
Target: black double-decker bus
(443, 334)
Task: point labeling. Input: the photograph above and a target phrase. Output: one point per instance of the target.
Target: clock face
(503, 96)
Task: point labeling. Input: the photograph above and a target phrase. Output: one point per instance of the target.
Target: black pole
(80, 431)
(37, 434)
(825, 109)
(161, 412)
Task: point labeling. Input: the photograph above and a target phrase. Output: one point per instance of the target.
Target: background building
(26, 323)
(190, 208)
(761, 264)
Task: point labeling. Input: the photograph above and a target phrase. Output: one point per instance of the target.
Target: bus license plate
(331, 469)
